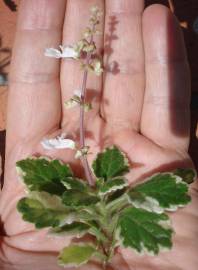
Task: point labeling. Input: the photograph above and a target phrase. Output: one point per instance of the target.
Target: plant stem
(84, 160)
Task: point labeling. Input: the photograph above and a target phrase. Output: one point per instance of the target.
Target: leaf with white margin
(78, 199)
(34, 211)
(75, 183)
(144, 231)
(79, 229)
(112, 185)
(48, 200)
(110, 163)
(162, 191)
(76, 229)
(76, 255)
(188, 175)
(43, 174)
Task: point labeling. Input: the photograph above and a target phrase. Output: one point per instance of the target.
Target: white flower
(51, 52)
(58, 142)
(68, 52)
(64, 52)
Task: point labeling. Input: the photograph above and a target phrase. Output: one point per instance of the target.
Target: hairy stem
(84, 160)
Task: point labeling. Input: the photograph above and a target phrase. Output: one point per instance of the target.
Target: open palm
(141, 105)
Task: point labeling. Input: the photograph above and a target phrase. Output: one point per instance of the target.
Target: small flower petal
(69, 52)
(77, 93)
(57, 143)
(64, 52)
(51, 52)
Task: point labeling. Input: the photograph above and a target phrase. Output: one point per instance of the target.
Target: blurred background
(186, 12)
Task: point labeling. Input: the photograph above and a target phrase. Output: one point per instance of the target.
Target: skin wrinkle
(25, 140)
(125, 5)
(123, 13)
(162, 101)
(126, 71)
(166, 61)
(19, 30)
(128, 54)
(40, 14)
(128, 68)
(30, 78)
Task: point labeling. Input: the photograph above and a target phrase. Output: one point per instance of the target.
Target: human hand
(141, 105)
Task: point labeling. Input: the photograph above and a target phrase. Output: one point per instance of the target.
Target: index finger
(34, 92)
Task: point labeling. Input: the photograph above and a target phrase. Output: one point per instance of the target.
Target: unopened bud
(82, 152)
(87, 107)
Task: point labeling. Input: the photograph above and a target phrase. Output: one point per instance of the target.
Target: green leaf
(163, 191)
(187, 175)
(118, 203)
(76, 255)
(112, 185)
(34, 211)
(76, 198)
(144, 231)
(110, 163)
(75, 183)
(77, 229)
(43, 175)
(48, 200)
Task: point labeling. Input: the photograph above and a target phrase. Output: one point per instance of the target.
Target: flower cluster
(76, 100)
(84, 47)
(85, 52)
(61, 142)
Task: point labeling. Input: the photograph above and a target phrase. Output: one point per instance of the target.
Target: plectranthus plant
(101, 212)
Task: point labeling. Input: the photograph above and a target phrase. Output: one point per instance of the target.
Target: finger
(76, 20)
(165, 116)
(34, 97)
(124, 63)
